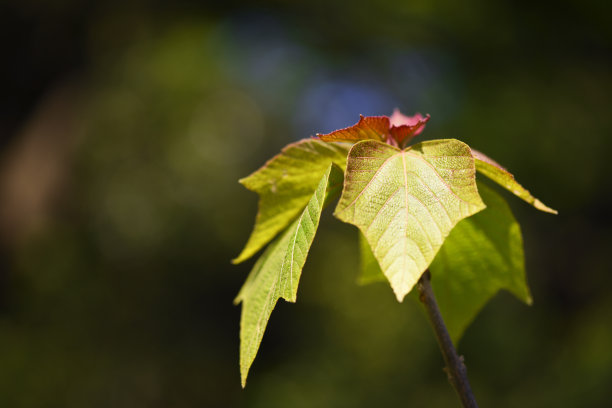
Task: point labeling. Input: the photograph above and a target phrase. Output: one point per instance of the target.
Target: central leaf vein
(406, 238)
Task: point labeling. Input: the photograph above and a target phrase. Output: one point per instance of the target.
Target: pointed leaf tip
(494, 171)
(277, 272)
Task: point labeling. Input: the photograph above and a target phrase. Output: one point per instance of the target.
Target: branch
(455, 369)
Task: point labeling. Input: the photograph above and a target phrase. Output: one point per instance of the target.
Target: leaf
(277, 272)
(370, 270)
(397, 129)
(285, 184)
(368, 127)
(482, 254)
(405, 128)
(501, 176)
(407, 201)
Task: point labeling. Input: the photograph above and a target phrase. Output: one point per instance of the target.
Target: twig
(455, 369)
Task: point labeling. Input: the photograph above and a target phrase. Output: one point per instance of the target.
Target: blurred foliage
(120, 294)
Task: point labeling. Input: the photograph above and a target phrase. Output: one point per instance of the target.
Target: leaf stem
(455, 369)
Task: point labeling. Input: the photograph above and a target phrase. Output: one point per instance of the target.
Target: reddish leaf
(404, 128)
(396, 130)
(368, 127)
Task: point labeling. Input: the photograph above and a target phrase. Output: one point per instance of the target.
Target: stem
(455, 369)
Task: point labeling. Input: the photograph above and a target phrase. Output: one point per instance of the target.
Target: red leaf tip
(405, 128)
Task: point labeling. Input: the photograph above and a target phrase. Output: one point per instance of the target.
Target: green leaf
(285, 184)
(501, 176)
(482, 254)
(277, 272)
(370, 270)
(407, 201)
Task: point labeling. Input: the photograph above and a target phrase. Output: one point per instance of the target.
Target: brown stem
(455, 369)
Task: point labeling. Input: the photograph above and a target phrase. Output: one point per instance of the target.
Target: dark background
(125, 125)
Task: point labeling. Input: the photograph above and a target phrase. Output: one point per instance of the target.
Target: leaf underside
(405, 202)
(490, 168)
(285, 184)
(277, 272)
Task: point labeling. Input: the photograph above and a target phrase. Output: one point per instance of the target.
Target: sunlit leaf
(407, 201)
(398, 129)
(277, 272)
(368, 127)
(482, 254)
(285, 184)
(405, 128)
(490, 168)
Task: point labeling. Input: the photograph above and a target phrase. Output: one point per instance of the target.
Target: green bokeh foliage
(122, 297)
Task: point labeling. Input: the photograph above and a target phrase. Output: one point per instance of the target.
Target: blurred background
(125, 126)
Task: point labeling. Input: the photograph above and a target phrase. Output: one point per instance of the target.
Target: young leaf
(285, 184)
(368, 127)
(397, 129)
(277, 272)
(482, 254)
(501, 176)
(405, 128)
(407, 201)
